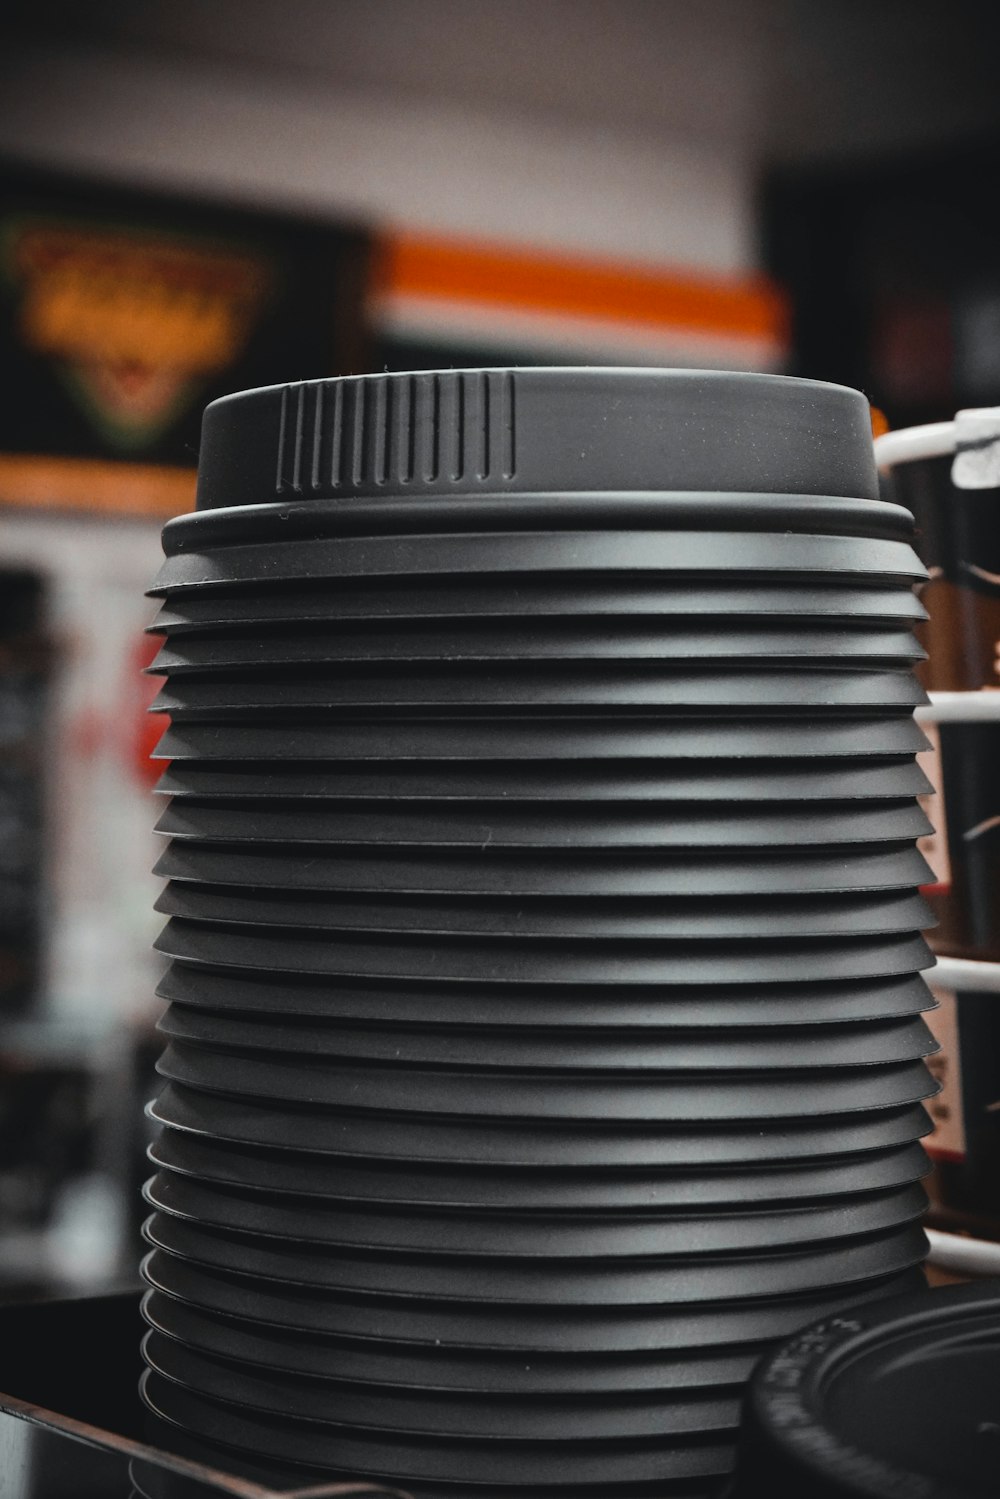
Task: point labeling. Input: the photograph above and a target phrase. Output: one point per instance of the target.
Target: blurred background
(197, 196)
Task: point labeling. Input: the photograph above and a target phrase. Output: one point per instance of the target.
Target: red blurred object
(144, 729)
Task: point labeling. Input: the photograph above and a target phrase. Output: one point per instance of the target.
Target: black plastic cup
(584, 1336)
(525, 649)
(578, 876)
(371, 1362)
(424, 959)
(546, 689)
(446, 825)
(521, 1235)
(636, 737)
(827, 781)
(504, 1420)
(752, 555)
(841, 1046)
(691, 920)
(553, 920)
(590, 597)
(657, 1097)
(219, 1162)
(539, 1144)
(537, 1282)
(526, 1009)
(355, 1450)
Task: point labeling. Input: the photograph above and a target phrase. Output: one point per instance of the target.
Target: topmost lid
(536, 430)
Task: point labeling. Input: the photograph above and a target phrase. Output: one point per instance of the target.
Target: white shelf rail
(966, 975)
(979, 706)
(963, 1256)
(910, 444)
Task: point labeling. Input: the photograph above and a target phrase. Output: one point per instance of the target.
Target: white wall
(630, 127)
(100, 847)
(386, 154)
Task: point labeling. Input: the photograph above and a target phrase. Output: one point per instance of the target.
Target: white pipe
(936, 440)
(964, 975)
(963, 1256)
(979, 706)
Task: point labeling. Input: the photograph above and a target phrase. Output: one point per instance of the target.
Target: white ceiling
(789, 79)
(635, 129)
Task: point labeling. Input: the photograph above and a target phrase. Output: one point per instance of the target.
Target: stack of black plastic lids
(892, 1400)
(545, 1030)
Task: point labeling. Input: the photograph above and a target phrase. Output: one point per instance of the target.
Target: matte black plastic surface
(595, 1331)
(431, 960)
(679, 1051)
(512, 430)
(896, 1397)
(692, 920)
(829, 780)
(592, 598)
(630, 738)
(536, 1144)
(537, 1009)
(540, 1281)
(588, 875)
(674, 1098)
(352, 1450)
(437, 1367)
(545, 1030)
(314, 1175)
(529, 1234)
(427, 1412)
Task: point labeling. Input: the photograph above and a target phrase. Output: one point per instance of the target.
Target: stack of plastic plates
(545, 1029)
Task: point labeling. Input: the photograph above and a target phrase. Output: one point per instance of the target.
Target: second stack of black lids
(545, 1030)
(897, 1397)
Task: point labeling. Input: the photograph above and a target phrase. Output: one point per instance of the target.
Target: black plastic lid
(896, 1400)
(524, 430)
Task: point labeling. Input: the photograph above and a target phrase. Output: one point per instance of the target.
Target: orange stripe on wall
(413, 266)
(95, 485)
